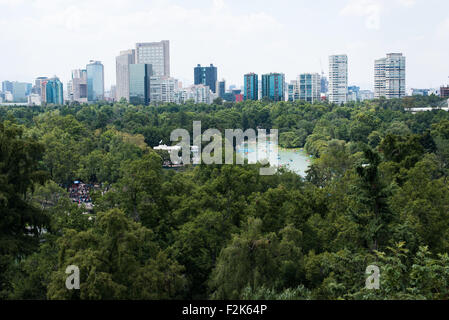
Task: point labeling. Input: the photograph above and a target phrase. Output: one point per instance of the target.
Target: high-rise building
(251, 86)
(338, 78)
(309, 87)
(366, 95)
(20, 91)
(54, 93)
(273, 86)
(139, 83)
(38, 85)
(353, 93)
(389, 76)
(324, 84)
(162, 89)
(122, 63)
(155, 53)
(221, 88)
(444, 92)
(78, 86)
(7, 86)
(95, 81)
(293, 90)
(206, 76)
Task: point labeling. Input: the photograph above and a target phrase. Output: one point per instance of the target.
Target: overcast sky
(52, 37)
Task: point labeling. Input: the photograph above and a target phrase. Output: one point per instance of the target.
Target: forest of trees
(376, 193)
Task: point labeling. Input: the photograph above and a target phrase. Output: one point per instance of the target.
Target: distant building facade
(292, 91)
(389, 76)
(197, 93)
(139, 83)
(273, 86)
(338, 78)
(54, 92)
(221, 88)
(37, 89)
(309, 87)
(122, 63)
(444, 92)
(251, 86)
(324, 84)
(162, 89)
(366, 95)
(206, 76)
(7, 86)
(78, 86)
(353, 93)
(95, 81)
(155, 53)
(20, 91)
(34, 99)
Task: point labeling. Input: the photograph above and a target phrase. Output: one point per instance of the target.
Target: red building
(239, 97)
(444, 92)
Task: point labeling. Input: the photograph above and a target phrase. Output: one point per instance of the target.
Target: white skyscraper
(122, 63)
(389, 76)
(338, 78)
(157, 54)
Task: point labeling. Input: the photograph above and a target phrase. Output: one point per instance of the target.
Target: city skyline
(236, 37)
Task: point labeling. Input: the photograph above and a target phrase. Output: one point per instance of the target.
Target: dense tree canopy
(376, 193)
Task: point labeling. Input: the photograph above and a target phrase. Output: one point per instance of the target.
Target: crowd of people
(80, 193)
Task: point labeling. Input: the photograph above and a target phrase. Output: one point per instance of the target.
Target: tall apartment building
(155, 53)
(251, 87)
(293, 91)
(38, 85)
(139, 83)
(7, 86)
(309, 87)
(338, 78)
(122, 63)
(95, 81)
(162, 89)
(206, 76)
(389, 76)
(273, 86)
(444, 92)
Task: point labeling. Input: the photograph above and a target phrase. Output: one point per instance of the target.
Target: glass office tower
(54, 92)
(139, 83)
(251, 86)
(95, 81)
(206, 76)
(273, 86)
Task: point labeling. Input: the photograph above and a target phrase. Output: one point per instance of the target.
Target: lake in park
(295, 160)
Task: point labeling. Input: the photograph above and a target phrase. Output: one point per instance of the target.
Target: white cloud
(443, 29)
(372, 10)
(77, 31)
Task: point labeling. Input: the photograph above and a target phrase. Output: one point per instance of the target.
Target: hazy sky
(52, 37)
